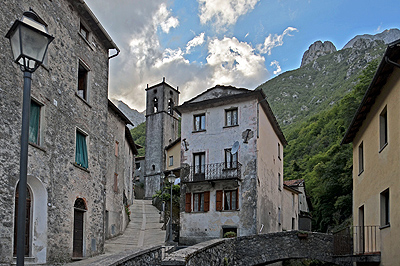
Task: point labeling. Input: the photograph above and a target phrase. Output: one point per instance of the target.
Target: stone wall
(54, 180)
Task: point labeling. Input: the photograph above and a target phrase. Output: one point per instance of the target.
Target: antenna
(235, 147)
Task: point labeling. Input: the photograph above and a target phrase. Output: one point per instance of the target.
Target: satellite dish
(235, 147)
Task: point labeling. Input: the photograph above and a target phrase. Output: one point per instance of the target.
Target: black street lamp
(29, 41)
(171, 180)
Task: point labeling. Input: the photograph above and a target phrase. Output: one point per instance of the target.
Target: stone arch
(38, 227)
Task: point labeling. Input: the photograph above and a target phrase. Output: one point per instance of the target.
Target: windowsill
(383, 147)
(230, 210)
(384, 226)
(82, 99)
(198, 212)
(361, 172)
(80, 167)
(37, 146)
(231, 126)
(86, 40)
(196, 131)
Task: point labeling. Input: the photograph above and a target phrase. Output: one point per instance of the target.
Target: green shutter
(34, 121)
(81, 157)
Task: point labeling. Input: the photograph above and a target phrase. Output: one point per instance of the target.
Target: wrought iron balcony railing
(356, 240)
(211, 172)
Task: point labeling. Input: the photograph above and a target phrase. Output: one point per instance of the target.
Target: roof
(130, 140)
(295, 182)
(85, 12)
(119, 113)
(178, 140)
(232, 95)
(385, 69)
(291, 189)
(164, 84)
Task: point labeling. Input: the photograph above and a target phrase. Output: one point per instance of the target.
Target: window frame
(201, 126)
(231, 160)
(83, 81)
(221, 197)
(361, 160)
(171, 160)
(383, 129)
(198, 164)
(385, 208)
(86, 137)
(39, 123)
(231, 111)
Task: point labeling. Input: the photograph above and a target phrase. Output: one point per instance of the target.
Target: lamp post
(171, 180)
(29, 40)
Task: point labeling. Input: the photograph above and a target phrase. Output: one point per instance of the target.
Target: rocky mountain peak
(316, 50)
(387, 36)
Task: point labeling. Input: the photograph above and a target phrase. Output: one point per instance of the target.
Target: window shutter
(218, 206)
(206, 201)
(237, 199)
(188, 202)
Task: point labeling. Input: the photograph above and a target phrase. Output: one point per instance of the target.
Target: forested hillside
(315, 154)
(139, 136)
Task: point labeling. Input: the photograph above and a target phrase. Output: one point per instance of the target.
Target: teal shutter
(34, 121)
(81, 157)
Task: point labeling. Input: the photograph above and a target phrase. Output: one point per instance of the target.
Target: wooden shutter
(237, 199)
(206, 201)
(188, 202)
(218, 206)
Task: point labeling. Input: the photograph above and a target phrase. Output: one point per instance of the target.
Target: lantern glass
(171, 178)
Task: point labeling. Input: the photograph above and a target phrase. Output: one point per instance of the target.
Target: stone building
(70, 137)
(232, 165)
(120, 169)
(290, 208)
(375, 135)
(161, 130)
(304, 203)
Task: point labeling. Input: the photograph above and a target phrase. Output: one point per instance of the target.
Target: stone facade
(223, 191)
(161, 130)
(62, 191)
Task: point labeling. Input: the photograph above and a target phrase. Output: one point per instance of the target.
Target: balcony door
(199, 160)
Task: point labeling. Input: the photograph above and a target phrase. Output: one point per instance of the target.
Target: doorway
(27, 221)
(79, 211)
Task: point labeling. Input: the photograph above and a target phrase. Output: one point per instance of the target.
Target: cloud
(274, 41)
(235, 63)
(196, 41)
(164, 19)
(278, 67)
(223, 13)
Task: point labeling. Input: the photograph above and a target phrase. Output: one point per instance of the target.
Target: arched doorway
(27, 221)
(79, 211)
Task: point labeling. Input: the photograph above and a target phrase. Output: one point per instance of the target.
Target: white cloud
(274, 41)
(196, 41)
(164, 19)
(223, 13)
(171, 56)
(235, 63)
(278, 67)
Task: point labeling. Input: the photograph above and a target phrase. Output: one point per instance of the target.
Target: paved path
(143, 231)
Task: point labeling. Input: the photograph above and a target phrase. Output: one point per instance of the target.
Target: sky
(197, 44)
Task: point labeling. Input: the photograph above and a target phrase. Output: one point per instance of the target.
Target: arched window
(28, 221)
(171, 106)
(155, 105)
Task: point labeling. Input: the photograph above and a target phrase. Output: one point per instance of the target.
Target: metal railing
(210, 172)
(356, 240)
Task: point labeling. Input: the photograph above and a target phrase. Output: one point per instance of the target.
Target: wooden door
(78, 234)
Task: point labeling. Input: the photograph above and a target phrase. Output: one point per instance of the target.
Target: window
(137, 166)
(279, 151)
(84, 32)
(227, 200)
(171, 160)
(230, 159)
(199, 162)
(115, 182)
(383, 134)
(155, 105)
(81, 155)
(171, 106)
(200, 122)
(34, 123)
(361, 158)
(83, 81)
(279, 181)
(201, 202)
(231, 117)
(385, 211)
(116, 148)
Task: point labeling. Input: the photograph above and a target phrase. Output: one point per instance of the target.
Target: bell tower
(161, 129)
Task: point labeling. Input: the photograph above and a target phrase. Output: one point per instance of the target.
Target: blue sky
(197, 44)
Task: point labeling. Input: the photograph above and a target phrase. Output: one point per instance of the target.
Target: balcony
(211, 172)
(357, 244)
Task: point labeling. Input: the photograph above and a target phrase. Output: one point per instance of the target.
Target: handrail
(356, 240)
(211, 172)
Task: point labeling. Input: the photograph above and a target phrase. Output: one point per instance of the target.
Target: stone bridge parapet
(256, 250)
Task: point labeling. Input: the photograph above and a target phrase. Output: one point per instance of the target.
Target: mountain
(323, 79)
(387, 36)
(135, 116)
